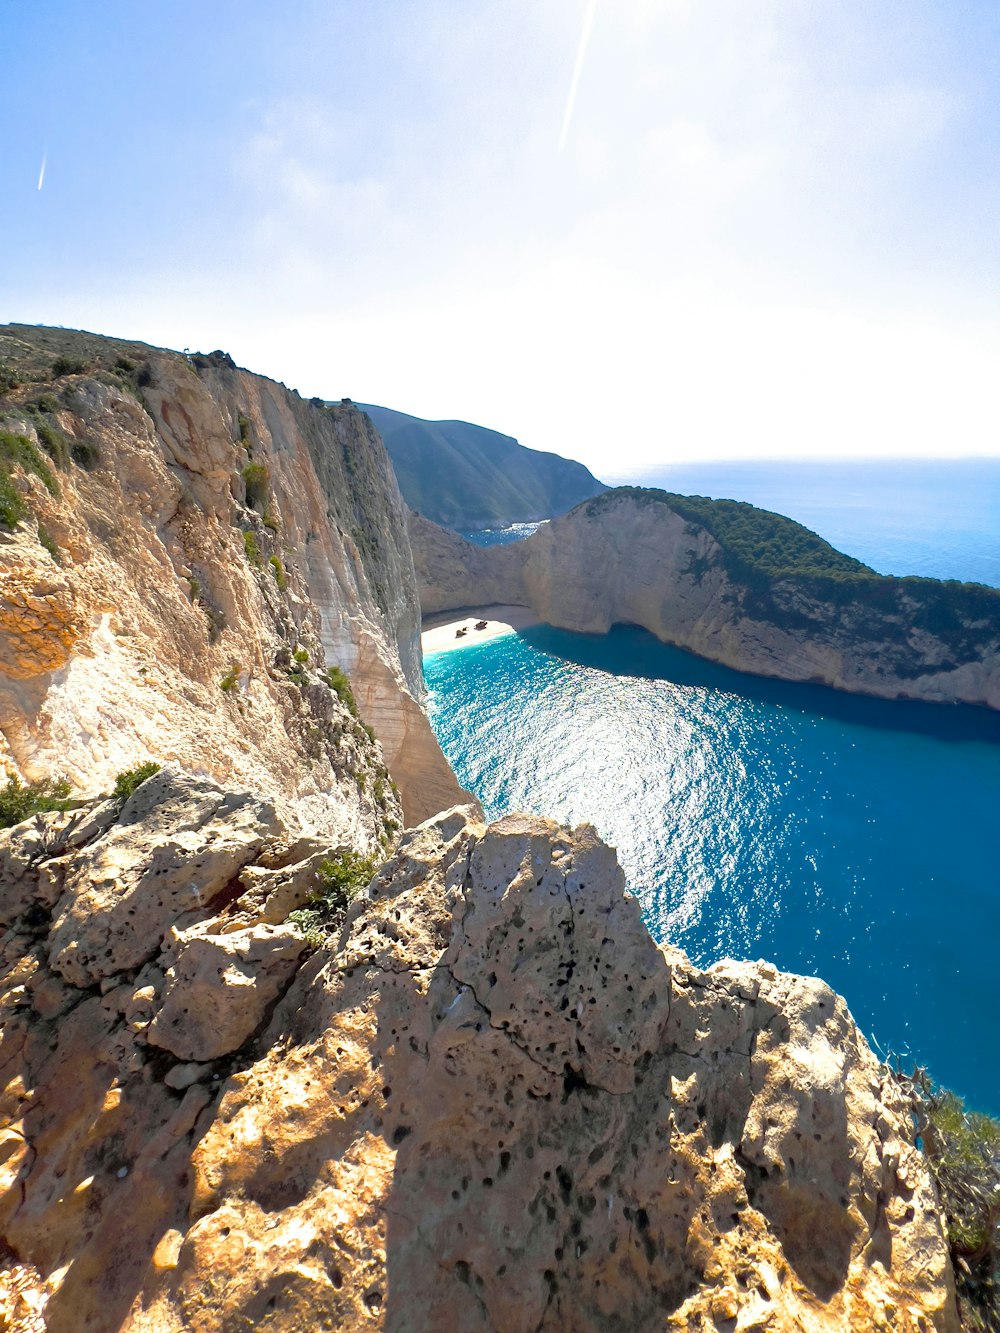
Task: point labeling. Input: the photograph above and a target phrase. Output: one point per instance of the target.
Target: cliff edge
(186, 550)
(490, 1103)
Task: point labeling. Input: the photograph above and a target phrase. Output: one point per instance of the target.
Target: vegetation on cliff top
(341, 878)
(761, 549)
(20, 800)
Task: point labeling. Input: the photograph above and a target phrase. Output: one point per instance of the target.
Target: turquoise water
(836, 835)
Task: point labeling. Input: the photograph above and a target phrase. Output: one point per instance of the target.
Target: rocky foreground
(491, 1103)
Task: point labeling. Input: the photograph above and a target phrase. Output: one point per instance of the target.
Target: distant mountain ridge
(465, 476)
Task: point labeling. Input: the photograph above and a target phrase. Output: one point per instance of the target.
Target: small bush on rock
(337, 680)
(341, 878)
(255, 478)
(127, 782)
(20, 800)
(963, 1151)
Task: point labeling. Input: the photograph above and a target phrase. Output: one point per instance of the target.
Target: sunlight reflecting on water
(752, 819)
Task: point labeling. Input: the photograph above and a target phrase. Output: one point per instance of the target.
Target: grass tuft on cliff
(17, 451)
(341, 878)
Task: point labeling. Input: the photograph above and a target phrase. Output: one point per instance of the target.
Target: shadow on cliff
(633, 651)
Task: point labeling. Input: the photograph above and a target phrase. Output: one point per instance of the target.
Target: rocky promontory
(733, 584)
(270, 1060)
(490, 1103)
(186, 552)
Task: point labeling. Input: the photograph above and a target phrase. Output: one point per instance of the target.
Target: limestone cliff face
(207, 526)
(644, 564)
(492, 1103)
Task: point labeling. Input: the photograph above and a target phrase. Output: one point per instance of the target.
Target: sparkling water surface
(836, 835)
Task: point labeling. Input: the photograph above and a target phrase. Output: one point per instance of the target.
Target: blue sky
(771, 229)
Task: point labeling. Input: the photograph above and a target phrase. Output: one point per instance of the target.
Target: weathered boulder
(491, 1103)
(178, 845)
(219, 987)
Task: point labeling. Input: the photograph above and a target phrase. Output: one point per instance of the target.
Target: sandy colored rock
(492, 1103)
(123, 893)
(177, 575)
(218, 988)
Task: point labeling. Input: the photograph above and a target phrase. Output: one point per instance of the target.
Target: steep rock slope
(492, 1103)
(653, 560)
(195, 547)
(468, 477)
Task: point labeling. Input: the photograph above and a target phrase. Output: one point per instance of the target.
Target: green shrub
(256, 478)
(18, 451)
(244, 427)
(231, 679)
(963, 1152)
(278, 570)
(20, 800)
(341, 686)
(252, 548)
(53, 442)
(46, 539)
(67, 365)
(126, 783)
(340, 879)
(301, 656)
(12, 506)
(9, 379)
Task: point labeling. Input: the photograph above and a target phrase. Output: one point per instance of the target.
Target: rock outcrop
(635, 559)
(200, 546)
(491, 1103)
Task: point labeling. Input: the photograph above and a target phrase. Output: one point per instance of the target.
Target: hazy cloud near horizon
(771, 230)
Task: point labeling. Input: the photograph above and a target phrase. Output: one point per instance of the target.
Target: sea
(832, 834)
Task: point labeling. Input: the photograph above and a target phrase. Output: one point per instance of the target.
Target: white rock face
(643, 564)
(179, 576)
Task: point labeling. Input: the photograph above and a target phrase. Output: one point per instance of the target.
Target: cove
(836, 835)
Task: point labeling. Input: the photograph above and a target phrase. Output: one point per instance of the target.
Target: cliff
(735, 585)
(475, 1096)
(490, 1103)
(468, 477)
(190, 548)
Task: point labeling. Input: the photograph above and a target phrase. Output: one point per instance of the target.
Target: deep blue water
(835, 835)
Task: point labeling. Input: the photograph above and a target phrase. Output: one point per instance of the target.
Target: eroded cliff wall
(622, 560)
(492, 1103)
(202, 527)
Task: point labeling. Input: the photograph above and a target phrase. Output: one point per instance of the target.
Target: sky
(632, 232)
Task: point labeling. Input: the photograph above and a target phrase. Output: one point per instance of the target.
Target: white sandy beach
(444, 631)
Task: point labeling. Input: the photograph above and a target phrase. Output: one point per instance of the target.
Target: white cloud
(747, 245)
